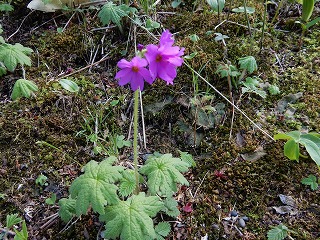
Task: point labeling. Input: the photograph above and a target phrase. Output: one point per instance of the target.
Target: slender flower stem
(135, 138)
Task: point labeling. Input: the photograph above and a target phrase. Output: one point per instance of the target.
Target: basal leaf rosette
(164, 173)
(96, 187)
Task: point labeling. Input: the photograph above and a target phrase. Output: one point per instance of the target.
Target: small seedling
(11, 220)
(23, 88)
(251, 85)
(220, 37)
(41, 180)
(151, 25)
(6, 7)
(3, 195)
(69, 85)
(176, 3)
(311, 181)
(279, 232)
(194, 38)
(51, 200)
(120, 142)
(274, 90)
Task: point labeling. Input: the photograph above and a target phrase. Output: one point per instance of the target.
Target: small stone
(245, 218)
(242, 223)
(23, 166)
(233, 213)
(215, 227)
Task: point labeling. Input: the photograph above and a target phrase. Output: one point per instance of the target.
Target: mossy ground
(55, 116)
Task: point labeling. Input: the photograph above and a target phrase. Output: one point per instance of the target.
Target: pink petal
(137, 82)
(139, 62)
(124, 80)
(169, 51)
(124, 64)
(167, 72)
(146, 75)
(152, 52)
(153, 68)
(176, 61)
(122, 73)
(166, 38)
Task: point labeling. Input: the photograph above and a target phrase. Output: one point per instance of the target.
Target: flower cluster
(163, 60)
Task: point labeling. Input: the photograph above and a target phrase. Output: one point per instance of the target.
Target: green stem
(135, 138)
(264, 25)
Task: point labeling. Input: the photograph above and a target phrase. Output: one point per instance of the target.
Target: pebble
(242, 223)
(245, 218)
(233, 213)
(215, 227)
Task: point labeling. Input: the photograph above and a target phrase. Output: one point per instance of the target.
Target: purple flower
(164, 59)
(133, 72)
(140, 47)
(166, 38)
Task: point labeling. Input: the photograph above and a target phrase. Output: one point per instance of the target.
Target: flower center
(135, 69)
(158, 58)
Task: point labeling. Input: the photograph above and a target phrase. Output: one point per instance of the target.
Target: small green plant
(251, 85)
(10, 57)
(274, 90)
(194, 38)
(11, 221)
(69, 85)
(23, 88)
(104, 185)
(311, 181)
(3, 195)
(205, 112)
(307, 10)
(279, 232)
(151, 25)
(41, 180)
(237, 77)
(95, 131)
(6, 7)
(51, 200)
(176, 3)
(310, 141)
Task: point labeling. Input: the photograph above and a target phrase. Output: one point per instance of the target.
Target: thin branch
(84, 68)
(20, 25)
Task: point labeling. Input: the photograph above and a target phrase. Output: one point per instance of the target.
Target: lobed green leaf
(127, 183)
(23, 88)
(132, 219)
(12, 219)
(96, 186)
(23, 234)
(67, 208)
(113, 13)
(11, 55)
(164, 173)
(249, 63)
(279, 232)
